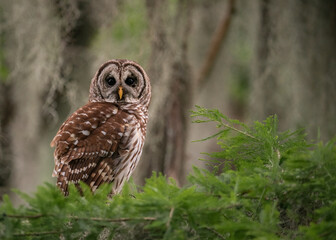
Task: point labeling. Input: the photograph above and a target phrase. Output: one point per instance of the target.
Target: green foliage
(272, 185)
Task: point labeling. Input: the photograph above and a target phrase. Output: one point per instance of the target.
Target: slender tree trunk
(34, 42)
(170, 75)
(5, 153)
(295, 65)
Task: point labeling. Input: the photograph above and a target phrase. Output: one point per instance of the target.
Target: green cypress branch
(279, 187)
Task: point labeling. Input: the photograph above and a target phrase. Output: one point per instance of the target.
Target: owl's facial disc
(119, 81)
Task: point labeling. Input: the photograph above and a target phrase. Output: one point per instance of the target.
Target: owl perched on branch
(102, 141)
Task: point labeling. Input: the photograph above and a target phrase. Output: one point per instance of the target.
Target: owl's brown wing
(88, 136)
(103, 173)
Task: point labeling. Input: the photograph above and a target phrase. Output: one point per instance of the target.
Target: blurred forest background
(249, 59)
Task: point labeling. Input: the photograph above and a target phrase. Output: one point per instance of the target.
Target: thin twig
(85, 218)
(216, 43)
(236, 205)
(170, 216)
(73, 218)
(237, 130)
(24, 216)
(35, 233)
(113, 219)
(215, 232)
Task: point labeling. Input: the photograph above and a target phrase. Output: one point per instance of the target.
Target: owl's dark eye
(131, 81)
(110, 81)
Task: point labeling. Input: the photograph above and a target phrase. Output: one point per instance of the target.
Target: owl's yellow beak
(120, 92)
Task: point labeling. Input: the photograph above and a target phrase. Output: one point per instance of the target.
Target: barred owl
(102, 141)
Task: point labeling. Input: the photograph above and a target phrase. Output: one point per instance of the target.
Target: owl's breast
(130, 152)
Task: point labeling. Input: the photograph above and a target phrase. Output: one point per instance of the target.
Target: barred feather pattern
(98, 150)
(102, 141)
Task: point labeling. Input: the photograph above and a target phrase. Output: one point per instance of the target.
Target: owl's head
(120, 81)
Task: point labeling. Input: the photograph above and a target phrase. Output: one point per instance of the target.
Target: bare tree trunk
(295, 65)
(34, 40)
(170, 75)
(5, 154)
